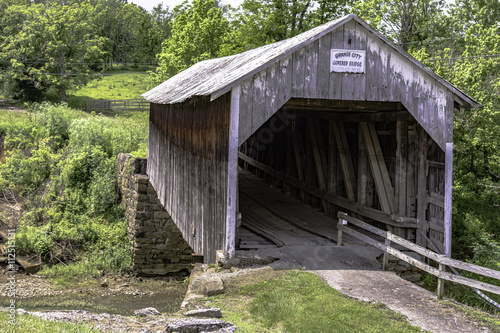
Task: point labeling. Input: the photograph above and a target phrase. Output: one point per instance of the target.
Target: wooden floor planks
(281, 219)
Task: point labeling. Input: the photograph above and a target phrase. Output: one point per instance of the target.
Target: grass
(117, 85)
(26, 323)
(113, 85)
(302, 302)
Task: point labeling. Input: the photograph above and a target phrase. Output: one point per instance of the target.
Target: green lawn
(114, 85)
(302, 302)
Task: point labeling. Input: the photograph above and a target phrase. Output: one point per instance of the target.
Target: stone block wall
(157, 245)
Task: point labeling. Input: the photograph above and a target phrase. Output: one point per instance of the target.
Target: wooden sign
(347, 61)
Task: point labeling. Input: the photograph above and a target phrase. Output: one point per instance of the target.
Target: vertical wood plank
(345, 159)
(363, 168)
(297, 150)
(422, 186)
(378, 168)
(246, 110)
(259, 100)
(298, 72)
(284, 75)
(349, 44)
(311, 70)
(359, 86)
(336, 79)
(332, 165)
(401, 158)
(448, 198)
(322, 77)
(317, 157)
(232, 172)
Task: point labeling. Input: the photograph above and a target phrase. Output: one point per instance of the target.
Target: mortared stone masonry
(157, 245)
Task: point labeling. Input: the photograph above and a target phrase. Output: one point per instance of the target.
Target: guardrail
(120, 104)
(442, 260)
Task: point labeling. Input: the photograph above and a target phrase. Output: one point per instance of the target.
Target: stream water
(165, 297)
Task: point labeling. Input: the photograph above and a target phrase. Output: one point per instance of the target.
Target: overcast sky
(149, 4)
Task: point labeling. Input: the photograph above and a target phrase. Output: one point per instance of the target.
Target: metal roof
(217, 76)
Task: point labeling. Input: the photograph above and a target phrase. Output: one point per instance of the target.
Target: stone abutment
(157, 245)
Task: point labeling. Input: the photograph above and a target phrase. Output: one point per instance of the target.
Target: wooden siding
(390, 77)
(187, 153)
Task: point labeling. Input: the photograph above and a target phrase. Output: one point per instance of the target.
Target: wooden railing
(122, 104)
(442, 260)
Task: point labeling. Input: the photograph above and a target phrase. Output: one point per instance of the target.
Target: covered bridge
(338, 117)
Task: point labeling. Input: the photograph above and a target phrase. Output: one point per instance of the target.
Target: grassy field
(113, 85)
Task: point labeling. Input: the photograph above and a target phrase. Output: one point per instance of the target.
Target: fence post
(339, 231)
(440, 287)
(385, 261)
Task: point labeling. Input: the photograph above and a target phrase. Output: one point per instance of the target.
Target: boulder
(200, 325)
(209, 313)
(146, 312)
(213, 286)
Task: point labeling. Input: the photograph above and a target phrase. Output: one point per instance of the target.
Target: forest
(60, 163)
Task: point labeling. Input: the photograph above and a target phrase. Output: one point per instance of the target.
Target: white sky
(149, 4)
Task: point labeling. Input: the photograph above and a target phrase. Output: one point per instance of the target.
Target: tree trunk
(63, 93)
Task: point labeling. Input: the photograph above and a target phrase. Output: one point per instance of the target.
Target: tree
(198, 30)
(161, 27)
(261, 22)
(404, 21)
(50, 46)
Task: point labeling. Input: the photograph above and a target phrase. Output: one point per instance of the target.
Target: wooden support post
(448, 185)
(379, 168)
(289, 159)
(401, 158)
(422, 186)
(317, 158)
(232, 172)
(339, 231)
(297, 149)
(332, 167)
(385, 261)
(363, 169)
(440, 286)
(345, 159)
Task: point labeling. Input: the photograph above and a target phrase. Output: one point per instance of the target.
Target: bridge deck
(271, 218)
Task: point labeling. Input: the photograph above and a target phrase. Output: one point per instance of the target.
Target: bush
(63, 162)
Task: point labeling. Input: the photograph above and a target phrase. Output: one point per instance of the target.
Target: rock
(228, 263)
(209, 313)
(213, 286)
(414, 255)
(412, 277)
(147, 312)
(403, 266)
(105, 283)
(200, 325)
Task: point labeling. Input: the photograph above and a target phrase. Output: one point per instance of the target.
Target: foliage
(198, 30)
(49, 46)
(258, 23)
(404, 21)
(63, 163)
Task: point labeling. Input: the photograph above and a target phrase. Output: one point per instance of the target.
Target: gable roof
(216, 77)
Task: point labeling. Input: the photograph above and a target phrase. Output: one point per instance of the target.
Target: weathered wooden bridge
(338, 117)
